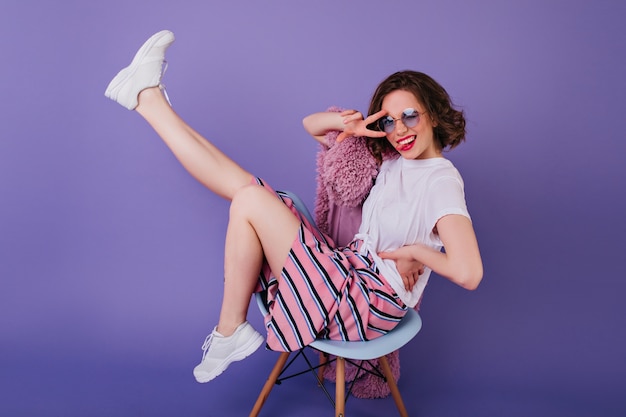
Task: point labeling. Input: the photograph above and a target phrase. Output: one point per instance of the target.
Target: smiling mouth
(402, 143)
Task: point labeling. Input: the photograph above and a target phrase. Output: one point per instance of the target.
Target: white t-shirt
(403, 207)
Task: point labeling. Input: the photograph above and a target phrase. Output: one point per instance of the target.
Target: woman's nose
(400, 126)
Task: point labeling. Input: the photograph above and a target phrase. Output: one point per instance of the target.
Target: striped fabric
(325, 292)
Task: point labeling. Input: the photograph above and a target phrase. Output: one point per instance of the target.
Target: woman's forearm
(461, 262)
(466, 273)
(318, 124)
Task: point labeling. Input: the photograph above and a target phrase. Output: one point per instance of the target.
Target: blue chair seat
(406, 330)
(409, 326)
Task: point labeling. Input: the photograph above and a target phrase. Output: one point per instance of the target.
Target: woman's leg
(260, 227)
(201, 159)
(137, 87)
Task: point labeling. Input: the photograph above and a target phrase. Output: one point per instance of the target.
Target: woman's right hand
(355, 125)
(410, 271)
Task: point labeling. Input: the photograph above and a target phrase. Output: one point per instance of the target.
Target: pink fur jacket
(345, 174)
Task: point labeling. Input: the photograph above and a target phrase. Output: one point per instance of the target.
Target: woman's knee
(249, 199)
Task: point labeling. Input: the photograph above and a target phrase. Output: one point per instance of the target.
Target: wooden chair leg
(323, 363)
(269, 384)
(340, 387)
(395, 392)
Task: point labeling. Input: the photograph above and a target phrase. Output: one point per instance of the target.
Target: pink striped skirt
(325, 292)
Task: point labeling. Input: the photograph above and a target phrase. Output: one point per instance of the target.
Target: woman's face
(416, 142)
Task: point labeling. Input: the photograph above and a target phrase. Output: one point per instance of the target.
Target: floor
(80, 386)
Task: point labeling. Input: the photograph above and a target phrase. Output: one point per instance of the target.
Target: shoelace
(206, 345)
(162, 86)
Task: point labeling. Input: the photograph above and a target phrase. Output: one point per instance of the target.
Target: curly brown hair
(449, 130)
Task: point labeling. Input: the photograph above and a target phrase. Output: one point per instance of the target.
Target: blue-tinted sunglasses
(410, 118)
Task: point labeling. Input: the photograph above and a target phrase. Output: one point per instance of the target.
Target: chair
(354, 352)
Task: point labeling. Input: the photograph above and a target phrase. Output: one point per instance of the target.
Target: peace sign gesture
(355, 125)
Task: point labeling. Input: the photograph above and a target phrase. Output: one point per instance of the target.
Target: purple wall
(110, 254)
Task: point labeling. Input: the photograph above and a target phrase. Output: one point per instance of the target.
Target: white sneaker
(144, 71)
(221, 351)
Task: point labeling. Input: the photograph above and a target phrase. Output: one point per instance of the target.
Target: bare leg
(136, 87)
(260, 225)
(202, 159)
(254, 213)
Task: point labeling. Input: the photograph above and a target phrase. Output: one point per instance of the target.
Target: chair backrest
(299, 204)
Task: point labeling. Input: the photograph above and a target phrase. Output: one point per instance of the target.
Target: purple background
(111, 255)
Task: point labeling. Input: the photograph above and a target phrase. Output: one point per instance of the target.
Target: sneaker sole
(249, 350)
(125, 74)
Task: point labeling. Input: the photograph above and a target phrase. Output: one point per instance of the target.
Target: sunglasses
(410, 118)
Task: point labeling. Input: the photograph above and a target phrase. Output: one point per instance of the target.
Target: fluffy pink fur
(345, 174)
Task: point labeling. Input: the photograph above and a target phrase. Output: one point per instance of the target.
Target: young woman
(359, 292)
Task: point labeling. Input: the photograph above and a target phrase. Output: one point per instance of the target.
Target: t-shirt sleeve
(447, 197)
